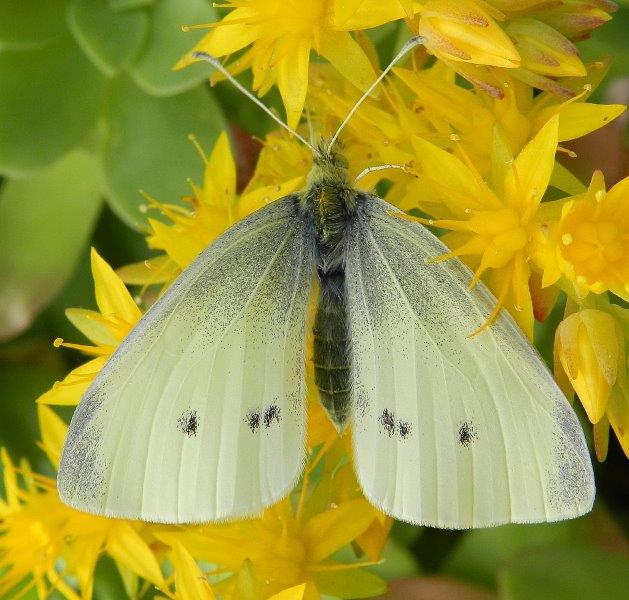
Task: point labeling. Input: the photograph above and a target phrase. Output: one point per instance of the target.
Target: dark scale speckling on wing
(253, 420)
(271, 414)
(387, 420)
(189, 423)
(404, 427)
(467, 433)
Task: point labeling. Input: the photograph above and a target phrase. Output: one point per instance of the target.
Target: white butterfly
(200, 414)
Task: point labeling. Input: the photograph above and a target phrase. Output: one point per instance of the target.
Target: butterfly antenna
(216, 63)
(310, 126)
(412, 43)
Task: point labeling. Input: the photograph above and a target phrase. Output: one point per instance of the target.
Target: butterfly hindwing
(199, 415)
(450, 430)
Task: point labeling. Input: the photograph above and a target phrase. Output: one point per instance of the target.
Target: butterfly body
(330, 203)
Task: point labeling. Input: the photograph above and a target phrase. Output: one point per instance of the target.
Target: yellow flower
(576, 19)
(544, 50)
(214, 208)
(351, 15)
(591, 358)
(381, 130)
(594, 239)
(43, 541)
(190, 583)
(286, 547)
(282, 34)
(117, 314)
(464, 31)
(493, 225)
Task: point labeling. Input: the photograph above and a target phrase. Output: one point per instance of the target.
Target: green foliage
(46, 220)
(95, 74)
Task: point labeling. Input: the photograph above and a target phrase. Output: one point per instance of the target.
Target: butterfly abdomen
(330, 204)
(331, 347)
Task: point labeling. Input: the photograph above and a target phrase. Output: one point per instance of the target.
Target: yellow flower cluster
(476, 162)
(478, 38)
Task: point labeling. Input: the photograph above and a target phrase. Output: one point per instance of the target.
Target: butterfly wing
(451, 431)
(199, 415)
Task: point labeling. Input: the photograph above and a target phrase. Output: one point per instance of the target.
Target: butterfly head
(329, 165)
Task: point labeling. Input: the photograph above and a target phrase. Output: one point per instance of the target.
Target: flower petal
(230, 36)
(463, 31)
(190, 581)
(544, 50)
(327, 532)
(292, 80)
(348, 58)
(527, 181)
(160, 269)
(603, 336)
(293, 593)
(351, 15)
(219, 182)
(112, 296)
(126, 546)
(68, 392)
(460, 190)
(53, 432)
(577, 119)
(90, 324)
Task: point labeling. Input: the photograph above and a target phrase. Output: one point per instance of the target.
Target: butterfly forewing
(450, 430)
(199, 415)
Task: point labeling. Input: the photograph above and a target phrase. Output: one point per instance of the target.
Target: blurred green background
(90, 113)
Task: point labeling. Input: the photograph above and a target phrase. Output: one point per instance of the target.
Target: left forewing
(451, 431)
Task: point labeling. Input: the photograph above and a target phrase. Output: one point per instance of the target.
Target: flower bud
(463, 31)
(589, 344)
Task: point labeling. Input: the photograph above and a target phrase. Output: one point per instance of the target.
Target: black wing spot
(404, 427)
(467, 433)
(253, 420)
(189, 423)
(387, 420)
(272, 413)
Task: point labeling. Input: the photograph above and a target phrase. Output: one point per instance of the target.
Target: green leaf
(129, 4)
(167, 43)
(107, 582)
(45, 222)
(610, 39)
(566, 573)
(482, 551)
(31, 23)
(564, 180)
(148, 147)
(48, 103)
(354, 583)
(21, 385)
(111, 39)
(397, 562)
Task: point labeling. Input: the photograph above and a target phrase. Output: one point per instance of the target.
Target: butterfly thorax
(330, 200)
(331, 203)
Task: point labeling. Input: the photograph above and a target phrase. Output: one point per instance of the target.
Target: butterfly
(200, 414)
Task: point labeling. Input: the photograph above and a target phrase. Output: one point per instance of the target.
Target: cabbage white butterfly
(200, 414)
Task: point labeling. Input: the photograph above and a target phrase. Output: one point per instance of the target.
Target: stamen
(195, 142)
(570, 153)
(493, 315)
